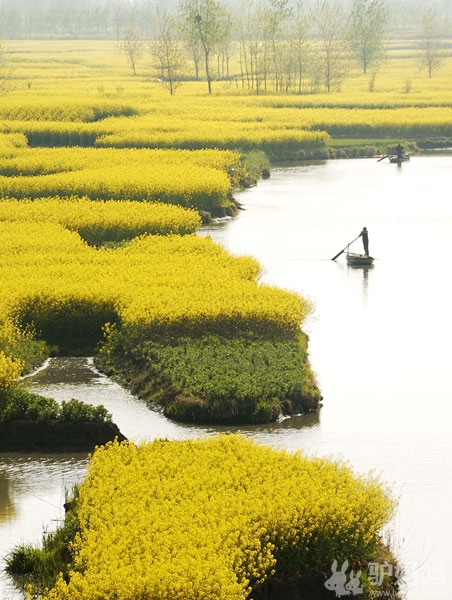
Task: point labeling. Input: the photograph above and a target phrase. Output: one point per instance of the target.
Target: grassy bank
(368, 148)
(217, 379)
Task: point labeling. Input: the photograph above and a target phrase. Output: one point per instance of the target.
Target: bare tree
(330, 26)
(119, 17)
(253, 50)
(276, 19)
(167, 50)
(366, 29)
(430, 44)
(298, 50)
(203, 21)
(224, 45)
(131, 45)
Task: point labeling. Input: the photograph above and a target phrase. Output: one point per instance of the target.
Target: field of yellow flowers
(191, 179)
(75, 124)
(102, 177)
(106, 221)
(154, 282)
(214, 518)
(170, 286)
(76, 127)
(72, 93)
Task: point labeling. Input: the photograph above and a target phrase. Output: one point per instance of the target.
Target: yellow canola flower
(188, 178)
(156, 282)
(10, 371)
(104, 221)
(11, 143)
(211, 518)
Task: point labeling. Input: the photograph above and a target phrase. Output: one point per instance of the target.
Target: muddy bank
(55, 436)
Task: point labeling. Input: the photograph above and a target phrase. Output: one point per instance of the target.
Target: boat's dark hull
(359, 260)
(399, 159)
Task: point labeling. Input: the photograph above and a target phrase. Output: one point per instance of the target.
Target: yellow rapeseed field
(105, 221)
(75, 124)
(90, 153)
(157, 282)
(81, 93)
(211, 518)
(174, 176)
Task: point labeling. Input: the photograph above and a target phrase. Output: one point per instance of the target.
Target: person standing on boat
(399, 151)
(365, 236)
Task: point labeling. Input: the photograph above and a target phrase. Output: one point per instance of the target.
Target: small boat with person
(354, 258)
(398, 155)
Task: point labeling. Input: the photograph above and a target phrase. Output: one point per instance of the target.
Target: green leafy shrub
(31, 407)
(23, 560)
(76, 411)
(24, 405)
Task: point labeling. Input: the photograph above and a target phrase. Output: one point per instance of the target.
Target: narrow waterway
(379, 344)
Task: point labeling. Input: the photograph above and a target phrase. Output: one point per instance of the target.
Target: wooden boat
(359, 260)
(399, 159)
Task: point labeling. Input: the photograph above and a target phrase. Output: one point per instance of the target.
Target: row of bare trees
(280, 47)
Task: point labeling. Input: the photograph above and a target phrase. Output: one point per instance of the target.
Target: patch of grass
(257, 165)
(219, 379)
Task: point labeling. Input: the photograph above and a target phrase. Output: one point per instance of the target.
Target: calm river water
(380, 344)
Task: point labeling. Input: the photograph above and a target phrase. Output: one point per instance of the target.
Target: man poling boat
(355, 259)
(365, 235)
(400, 155)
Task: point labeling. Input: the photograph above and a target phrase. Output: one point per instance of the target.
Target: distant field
(86, 90)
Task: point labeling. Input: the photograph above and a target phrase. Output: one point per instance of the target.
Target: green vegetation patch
(24, 405)
(218, 379)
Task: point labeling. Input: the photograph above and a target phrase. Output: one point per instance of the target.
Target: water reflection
(7, 508)
(365, 279)
(33, 490)
(64, 370)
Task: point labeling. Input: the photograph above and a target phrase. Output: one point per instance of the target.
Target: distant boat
(359, 260)
(399, 159)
